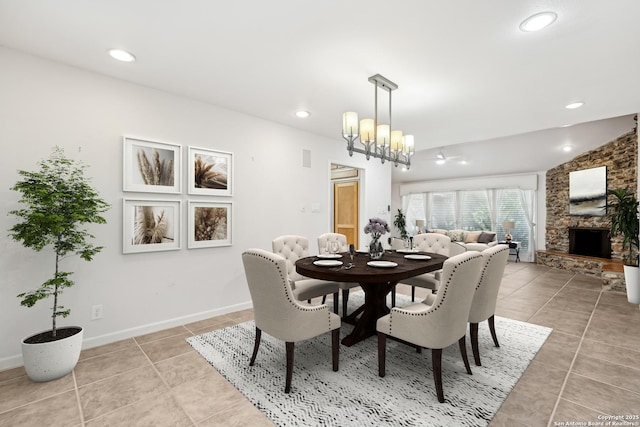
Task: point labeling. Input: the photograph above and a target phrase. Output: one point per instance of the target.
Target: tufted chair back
(291, 248)
(445, 321)
(486, 294)
(396, 243)
(325, 238)
(276, 310)
(432, 242)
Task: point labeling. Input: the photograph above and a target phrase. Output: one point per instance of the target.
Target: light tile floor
(587, 368)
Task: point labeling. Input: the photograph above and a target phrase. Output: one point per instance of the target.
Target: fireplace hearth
(587, 241)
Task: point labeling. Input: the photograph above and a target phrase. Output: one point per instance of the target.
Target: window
(442, 212)
(474, 211)
(510, 209)
(415, 210)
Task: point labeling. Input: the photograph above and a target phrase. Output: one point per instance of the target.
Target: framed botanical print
(151, 225)
(210, 224)
(210, 172)
(151, 166)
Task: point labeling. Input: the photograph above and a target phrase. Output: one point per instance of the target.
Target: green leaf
(58, 201)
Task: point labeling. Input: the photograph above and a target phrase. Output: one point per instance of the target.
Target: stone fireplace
(582, 243)
(590, 241)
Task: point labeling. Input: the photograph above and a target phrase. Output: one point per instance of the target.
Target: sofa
(471, 240)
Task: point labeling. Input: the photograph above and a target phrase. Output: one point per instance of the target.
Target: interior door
(345, 210)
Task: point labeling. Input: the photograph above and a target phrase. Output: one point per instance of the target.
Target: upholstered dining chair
(292, 248)
(279, 314)
(396, 243)
(323, 240)
(440, 323)
(483, 305)
(429, 242)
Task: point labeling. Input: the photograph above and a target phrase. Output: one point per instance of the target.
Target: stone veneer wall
(620, 156)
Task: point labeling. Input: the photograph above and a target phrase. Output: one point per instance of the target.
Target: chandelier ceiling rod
(379, 141)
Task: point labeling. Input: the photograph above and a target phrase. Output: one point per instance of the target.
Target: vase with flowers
(376, 227)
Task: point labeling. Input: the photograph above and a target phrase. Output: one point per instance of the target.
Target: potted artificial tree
(58, 201)
(623, 214)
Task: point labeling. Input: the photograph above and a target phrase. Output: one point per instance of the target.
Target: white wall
(43, 104)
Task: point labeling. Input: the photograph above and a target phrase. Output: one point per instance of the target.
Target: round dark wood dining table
(376, 282)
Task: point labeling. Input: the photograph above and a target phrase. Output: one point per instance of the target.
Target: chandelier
(379, 140)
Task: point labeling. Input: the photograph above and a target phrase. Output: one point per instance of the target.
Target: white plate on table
(362, 251)
(420, 257)
(330, 256)
(407, 251)
(327, 263)
(382, 264)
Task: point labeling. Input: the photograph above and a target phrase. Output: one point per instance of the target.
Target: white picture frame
(210, 172)
(151, 225)
(151, 166)
(210, 224)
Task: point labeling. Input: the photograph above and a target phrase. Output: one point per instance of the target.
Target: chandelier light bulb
(367, 133)
(396, 140)
(350, 124)
(383, 135)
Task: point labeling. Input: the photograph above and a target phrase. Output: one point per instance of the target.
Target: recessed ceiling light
(303, 114)
(463, 162)
(122, 55)
(440, 161)
(574, 105)
(538, 21)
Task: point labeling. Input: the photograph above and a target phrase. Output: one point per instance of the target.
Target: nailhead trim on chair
(444, 295)
(286, 281)
(484, 267)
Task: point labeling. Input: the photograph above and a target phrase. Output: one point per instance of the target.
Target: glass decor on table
(376, 227)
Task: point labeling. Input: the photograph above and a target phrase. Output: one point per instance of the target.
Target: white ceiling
(465, 72)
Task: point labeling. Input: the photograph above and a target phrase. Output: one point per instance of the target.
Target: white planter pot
(632, 282)
(52, 360)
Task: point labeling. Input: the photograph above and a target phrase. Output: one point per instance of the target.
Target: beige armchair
(292, 248)
(435, 243)
(325, 238)
(396, 243)
(279, 314)
(439, 324)
(483, 306)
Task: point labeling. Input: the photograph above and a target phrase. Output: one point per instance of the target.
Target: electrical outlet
(96, 312)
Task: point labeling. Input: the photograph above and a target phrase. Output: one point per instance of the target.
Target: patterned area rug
(356, 395)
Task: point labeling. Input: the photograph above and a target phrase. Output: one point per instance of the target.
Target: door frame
(361, 192)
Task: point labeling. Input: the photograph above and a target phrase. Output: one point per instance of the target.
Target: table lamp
(508, 225)
(420, 223)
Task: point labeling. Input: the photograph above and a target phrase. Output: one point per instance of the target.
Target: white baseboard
(16, 361)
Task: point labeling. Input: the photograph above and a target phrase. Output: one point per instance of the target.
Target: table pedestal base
(375, 306)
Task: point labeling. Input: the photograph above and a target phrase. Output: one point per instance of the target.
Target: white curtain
(527, 202)
(493, 208)
(458, 208)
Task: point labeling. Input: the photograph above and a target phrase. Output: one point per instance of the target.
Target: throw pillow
(455, 235)
(472, 236)
(486, 237)
(439, 231)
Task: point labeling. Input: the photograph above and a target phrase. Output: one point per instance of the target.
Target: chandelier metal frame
(384, 146)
